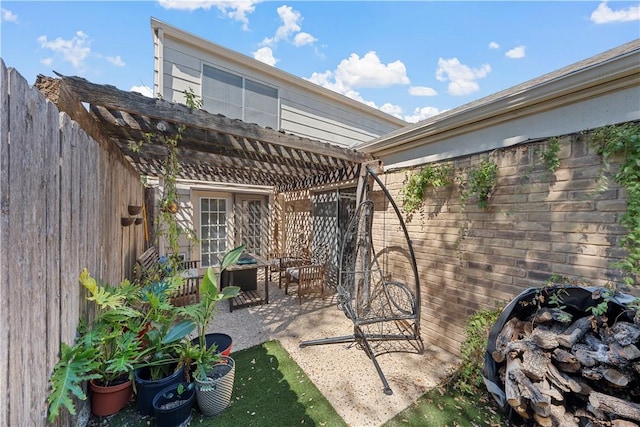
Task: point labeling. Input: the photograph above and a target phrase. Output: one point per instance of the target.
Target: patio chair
(280, 261)
(310, 277)
(382, 310)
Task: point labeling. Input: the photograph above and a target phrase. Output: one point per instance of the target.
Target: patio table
(245, 275)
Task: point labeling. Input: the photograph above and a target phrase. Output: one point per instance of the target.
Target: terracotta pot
(109, 400)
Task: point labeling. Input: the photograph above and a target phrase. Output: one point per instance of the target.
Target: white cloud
(234, 9)
(303, 38)
(291, 26)
(7, 16)
(47, 62)
(461, 78)
(422, 91)
(365, 72)
(421, 114)
(116, 60)
(604, 14)
(74, 50)
(515, 53)
(369, 71)
(145, 90)
(265, 54)
(394, 110)
(494, 45)
(290, 23)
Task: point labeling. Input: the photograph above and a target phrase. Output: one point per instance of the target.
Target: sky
(411, 59)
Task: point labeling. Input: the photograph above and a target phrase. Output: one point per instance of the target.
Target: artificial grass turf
(270, 389)
(444, 406)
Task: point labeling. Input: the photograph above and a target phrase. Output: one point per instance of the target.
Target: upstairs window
(237, 97)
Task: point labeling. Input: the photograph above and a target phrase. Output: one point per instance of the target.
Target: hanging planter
(214, 393)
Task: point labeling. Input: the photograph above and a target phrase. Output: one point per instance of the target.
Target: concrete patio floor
(342, 372)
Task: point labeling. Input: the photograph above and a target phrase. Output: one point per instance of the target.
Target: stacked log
(570, 368)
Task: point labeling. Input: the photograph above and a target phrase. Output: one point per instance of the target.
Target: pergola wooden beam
(212, 147)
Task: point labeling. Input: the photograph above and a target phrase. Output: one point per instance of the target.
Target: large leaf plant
(134, 326)
(202, 313)
(105, 350)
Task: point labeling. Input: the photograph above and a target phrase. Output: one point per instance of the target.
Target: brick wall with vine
(546, 213)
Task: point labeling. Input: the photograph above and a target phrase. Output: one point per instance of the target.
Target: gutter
(583, 80)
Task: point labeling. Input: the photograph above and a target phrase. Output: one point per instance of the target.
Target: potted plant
(164, 341)
(172, 405)
(214, 374)
(105, 351)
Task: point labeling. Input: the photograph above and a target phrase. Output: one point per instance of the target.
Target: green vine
(549, 155)
(622, 143)
(481, 179)
(167, 222)
(415, 184)
(468, 375)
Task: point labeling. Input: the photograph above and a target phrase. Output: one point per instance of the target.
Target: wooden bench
(148, 269)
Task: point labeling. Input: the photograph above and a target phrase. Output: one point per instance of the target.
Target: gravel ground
(342, 372)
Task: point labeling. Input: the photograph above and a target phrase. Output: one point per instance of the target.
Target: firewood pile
(567, 356)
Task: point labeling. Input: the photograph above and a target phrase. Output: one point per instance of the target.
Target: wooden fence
(61, 199)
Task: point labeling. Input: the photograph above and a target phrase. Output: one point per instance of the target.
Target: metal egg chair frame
(381, 309)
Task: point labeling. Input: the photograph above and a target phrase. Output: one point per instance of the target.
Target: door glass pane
(252, 225)
(213, 232)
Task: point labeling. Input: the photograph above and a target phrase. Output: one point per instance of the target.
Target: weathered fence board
(4, 236)
(61, 198)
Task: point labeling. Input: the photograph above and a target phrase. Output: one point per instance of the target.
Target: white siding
(617, 107)
(304, 112)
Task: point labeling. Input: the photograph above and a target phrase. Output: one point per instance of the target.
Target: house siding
(317, 114)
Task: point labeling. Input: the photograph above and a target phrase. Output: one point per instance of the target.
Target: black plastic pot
(222, 341)
(178, 413)
(146, 389)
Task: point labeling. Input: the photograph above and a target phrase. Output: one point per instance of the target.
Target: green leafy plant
(106, 348)
(481, 179)
(202, 312)
(415, 184)
(622, 143)
(549, 155)
(192, 100)
(180, 389)
(468, 375)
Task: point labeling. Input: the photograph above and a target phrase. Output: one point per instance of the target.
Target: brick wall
(537, 224)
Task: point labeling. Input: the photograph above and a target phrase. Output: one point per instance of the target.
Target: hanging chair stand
(382, 310)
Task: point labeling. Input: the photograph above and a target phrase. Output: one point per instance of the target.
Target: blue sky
(411, 59)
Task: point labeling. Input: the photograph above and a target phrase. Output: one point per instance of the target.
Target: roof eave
(536, 95)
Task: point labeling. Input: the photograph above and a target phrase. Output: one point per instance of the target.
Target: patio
(342, 372)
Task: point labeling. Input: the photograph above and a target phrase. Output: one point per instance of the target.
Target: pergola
(212, 148)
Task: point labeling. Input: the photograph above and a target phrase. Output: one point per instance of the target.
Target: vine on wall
(617, 142)
(479, 182)
(430, 176)
(622, 143)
